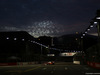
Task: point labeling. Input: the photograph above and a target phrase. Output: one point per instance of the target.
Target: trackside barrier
(3, 64)
(8, 64)
(26, 63)
(18, 63)
(31, 63)
(94, 65)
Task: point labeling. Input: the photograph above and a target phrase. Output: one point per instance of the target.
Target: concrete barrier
(18, 63)
(26, 63)
(94, 64)
(8, 64)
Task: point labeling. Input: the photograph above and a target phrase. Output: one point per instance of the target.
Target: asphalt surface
(57, 69)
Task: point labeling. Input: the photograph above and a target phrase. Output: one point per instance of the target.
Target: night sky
(47, 17)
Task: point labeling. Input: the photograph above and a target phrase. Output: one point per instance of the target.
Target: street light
(7, 38)
(98, 18)
(88, 29)
(81, 43)
(85, 31)
(96, 21)
(83, 34)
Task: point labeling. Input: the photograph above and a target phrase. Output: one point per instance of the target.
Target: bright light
(15, 38)
(95, 22)
(88, 29)
(76, 62)
(91, 26)
(97, 17)
(67, 54)
(7, 38)
(83, 34)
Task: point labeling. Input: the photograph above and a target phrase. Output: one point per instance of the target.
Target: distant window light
(15, 38)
